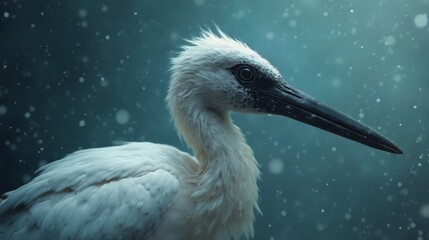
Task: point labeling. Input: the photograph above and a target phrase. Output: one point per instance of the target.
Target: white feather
(154, 191)
(126, 205)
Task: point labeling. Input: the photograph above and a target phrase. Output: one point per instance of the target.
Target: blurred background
(81, 74)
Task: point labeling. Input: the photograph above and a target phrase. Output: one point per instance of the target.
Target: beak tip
(392, 148)
(398, 151)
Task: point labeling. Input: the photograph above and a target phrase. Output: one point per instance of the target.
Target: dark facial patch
(253, 77)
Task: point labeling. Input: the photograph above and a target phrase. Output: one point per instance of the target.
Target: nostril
(291, 91)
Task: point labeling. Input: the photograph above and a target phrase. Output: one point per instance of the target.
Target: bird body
(132, 191)
(156, 192)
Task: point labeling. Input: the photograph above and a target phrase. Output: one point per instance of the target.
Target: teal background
(72, 71)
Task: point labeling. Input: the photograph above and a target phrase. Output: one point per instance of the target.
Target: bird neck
(226, 191)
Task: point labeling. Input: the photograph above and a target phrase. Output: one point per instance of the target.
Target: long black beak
(286, 101)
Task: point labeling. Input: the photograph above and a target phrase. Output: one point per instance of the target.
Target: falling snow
(122, 116)
(239, 14)
(269, 35)
(86, 74)
(276, 166)
(320, 227)
(199, 2)
(390, 40)
(3, 109)
(347, 216)
(83, 13)
(421, 20)
(104, 8)
(424, 211)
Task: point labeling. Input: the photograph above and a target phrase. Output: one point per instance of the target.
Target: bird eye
(245, 74)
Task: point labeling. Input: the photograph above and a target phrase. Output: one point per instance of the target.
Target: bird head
(224, 74)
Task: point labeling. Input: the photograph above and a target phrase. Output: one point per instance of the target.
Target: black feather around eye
(244, 73)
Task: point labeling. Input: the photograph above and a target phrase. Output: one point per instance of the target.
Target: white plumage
(146, 190)
(156, 192)
(98, 193)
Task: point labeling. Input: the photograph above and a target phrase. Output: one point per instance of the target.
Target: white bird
(154, 191)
